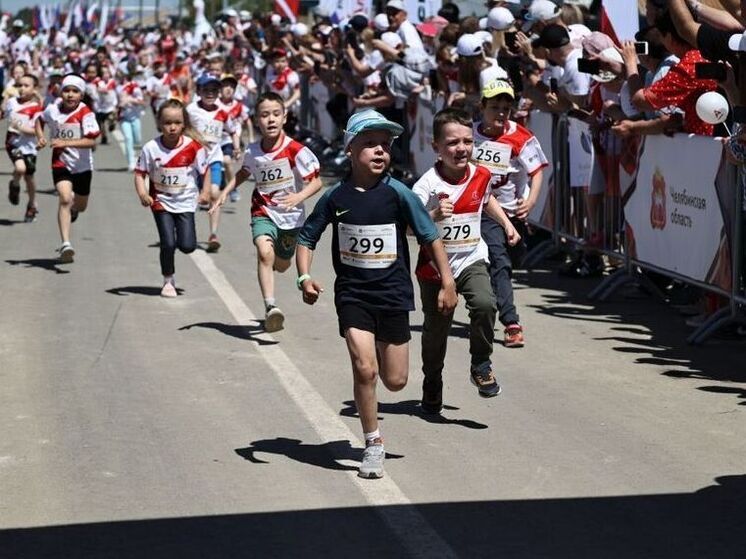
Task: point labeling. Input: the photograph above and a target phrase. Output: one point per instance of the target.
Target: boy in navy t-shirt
(373, 293)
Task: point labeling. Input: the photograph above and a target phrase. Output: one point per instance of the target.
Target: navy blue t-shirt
(369, 244)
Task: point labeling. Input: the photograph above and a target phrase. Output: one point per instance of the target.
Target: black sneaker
(14, 193)
(73, 215)
(432, 396)
(485, 381)
(31, 213)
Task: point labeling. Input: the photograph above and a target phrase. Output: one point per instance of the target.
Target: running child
(173, 162)
(286, 174)
(73, 130)
(230, 143)
(210, 120)
(22, 113)
(514, 157)
(370, 213)
(457, 194)
(131, 109)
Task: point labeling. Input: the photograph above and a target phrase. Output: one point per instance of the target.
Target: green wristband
(301, 279)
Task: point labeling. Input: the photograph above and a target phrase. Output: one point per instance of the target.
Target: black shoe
(14, 193)
(485, 381)
(432, 396)
(104, 141)
(31, 213)
(584, 269)
(73, 215)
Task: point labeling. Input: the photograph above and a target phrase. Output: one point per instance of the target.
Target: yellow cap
(496, 87)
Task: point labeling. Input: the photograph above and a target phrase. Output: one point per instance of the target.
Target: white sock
(371, 437)
(168, 279)
(269, 302)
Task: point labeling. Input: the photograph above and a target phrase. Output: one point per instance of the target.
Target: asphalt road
(133, 426)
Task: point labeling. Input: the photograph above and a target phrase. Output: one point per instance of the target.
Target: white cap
(391, 39)
(244, 14)
(543, 10)
(397, 5)
(491, 73)
(230, 12)
(381, 22)
(612, 55)
(577, 32)
(737, 42)
(500, 19)
(469, 45)
(484, 36)
(276, 19)
(299, 29)
(18, 23)
(483, 23)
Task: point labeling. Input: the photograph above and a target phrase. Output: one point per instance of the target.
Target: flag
(288, 9)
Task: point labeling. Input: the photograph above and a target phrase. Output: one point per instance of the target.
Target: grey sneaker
(372, 465)
(67, 253)
(274, 319)
(485, 381)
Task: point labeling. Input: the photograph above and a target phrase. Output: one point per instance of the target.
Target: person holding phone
(680, 87)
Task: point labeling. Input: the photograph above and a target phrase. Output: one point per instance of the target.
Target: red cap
(428, 29)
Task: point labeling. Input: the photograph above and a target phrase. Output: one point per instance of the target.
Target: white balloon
(712, 107)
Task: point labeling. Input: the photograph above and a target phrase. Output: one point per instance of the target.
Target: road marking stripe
(410, 527)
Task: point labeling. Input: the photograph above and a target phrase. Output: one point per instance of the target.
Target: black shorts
(28, 159)
(81, 181)
(388, 326)
(227, 150)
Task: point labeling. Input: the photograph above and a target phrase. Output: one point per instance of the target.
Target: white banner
(674, 217)
(541, 125)
(580, 145)
(421, 141)
(420, 10)
(319, 94)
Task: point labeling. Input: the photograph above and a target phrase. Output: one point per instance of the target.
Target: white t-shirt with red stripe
(238, 113)
(130, 111)
(159, 89)
(174, 173)
(77, 124)
(22, 115)
(210, 124)
(106, 98)
(460, 233)
(511, 179)
(278, 173)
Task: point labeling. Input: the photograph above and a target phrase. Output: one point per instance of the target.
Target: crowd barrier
(668, 205)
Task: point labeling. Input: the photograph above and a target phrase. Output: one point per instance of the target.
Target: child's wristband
(301, 279)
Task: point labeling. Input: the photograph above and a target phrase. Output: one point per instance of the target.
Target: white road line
(390, 502)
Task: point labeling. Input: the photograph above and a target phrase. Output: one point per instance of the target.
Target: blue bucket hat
(207, 79)
(369, 119)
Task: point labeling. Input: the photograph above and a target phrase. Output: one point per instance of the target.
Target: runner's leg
(361, 346)
(65, 191)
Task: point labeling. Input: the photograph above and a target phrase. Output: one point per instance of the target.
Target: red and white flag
(288, 9)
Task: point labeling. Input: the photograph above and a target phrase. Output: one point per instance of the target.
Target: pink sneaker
(169, 290)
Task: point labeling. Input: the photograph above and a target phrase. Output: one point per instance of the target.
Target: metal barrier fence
(592, 204)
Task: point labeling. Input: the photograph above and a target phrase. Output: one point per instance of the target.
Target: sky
(13, 6)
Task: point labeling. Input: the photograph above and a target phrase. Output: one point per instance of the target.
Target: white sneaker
(274, 319)
(169, 290)
(372, 465)
(234, 195)
(67, 253)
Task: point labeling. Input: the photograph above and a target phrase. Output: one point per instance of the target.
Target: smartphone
(510, 39)
(641, 47)
(710, 71)
(553, 85)
(739, 114)
(588, 66)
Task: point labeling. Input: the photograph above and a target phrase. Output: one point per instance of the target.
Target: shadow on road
(326, 455)
(413, 409)
(9, 222)
(704, 524)
(235, 330)
(643, 326)
(147, 290)
(50, 264)
(458, 329)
